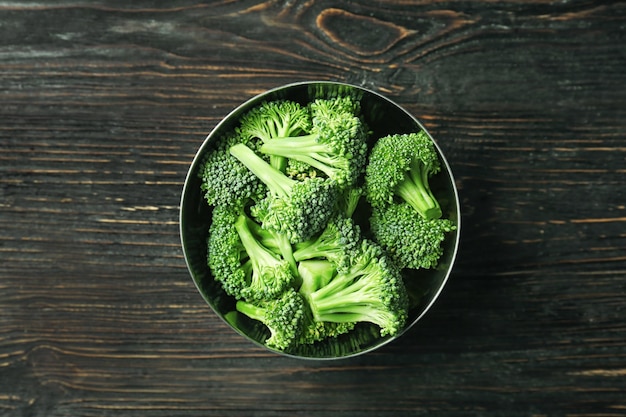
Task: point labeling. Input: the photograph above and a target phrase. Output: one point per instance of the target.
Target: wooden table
(103, 105)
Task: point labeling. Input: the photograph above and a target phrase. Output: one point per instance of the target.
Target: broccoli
(283, 316)
(316, 331)
(401, 165)
(299, 209)
(275, 119)
(310, 235)
(336, 243)
(335, 145)
(270, 273)
(410, 240)
(226, 255)
(369, 290)
(245, 268)
(225, 181)
(275, 242)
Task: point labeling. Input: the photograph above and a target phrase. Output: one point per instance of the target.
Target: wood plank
(104, 104)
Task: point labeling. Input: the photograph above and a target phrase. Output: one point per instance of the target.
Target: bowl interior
(383, 117)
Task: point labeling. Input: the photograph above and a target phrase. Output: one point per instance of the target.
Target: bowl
(383, 117)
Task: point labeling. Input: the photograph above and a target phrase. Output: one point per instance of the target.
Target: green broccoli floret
(400, 166)
(410, 240)
(336, 243)
(283, 316)
(226, 255)
(335, 145)
(269, 273)
(275, 119)
(240, 263)
(316, 331)
(299, 209)
(225, 180)
(369, 290)
(275, 242)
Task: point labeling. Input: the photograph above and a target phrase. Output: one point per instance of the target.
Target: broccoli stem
(315, 274)
(294, 143)
(415, 190)
(281, 131)
(343, 290)
(307, 149)
(275, 242)
(318, 247)
(259, 255)
(275, 180)
(278, 162)
(345, 300)
(252, 311)
(286, 250)
(353, 313)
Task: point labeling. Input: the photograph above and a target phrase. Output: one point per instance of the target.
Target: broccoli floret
(275, 119)
(329, 107)
(316, 331)
(336, 243)
(410, 240)
(401, 165)
(284, 318)
(369, 290)
(299, 209)
(240, 263)
(225, 180)
(226, 255)
(275, 242)
(270, 274)
(335, 145)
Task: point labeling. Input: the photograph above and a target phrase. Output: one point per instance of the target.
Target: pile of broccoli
(313, 223)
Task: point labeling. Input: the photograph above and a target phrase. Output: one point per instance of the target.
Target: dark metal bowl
(383, 117)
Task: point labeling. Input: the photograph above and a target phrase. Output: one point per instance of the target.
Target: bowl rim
(257, 98)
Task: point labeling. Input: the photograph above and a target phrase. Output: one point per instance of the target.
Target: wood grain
(103, 105)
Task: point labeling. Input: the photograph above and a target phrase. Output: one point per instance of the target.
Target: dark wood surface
(104, 103)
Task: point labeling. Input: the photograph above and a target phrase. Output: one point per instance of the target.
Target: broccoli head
(335, 145)
(283, 316)
(369, 290)
(298, 209)
(269, 273)
(275, 242)
(275, 119)
(238, 260)
(410, 240)
(316, 331)
(336, 243)
(401, 165)
(225, 180)
(226, 255)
